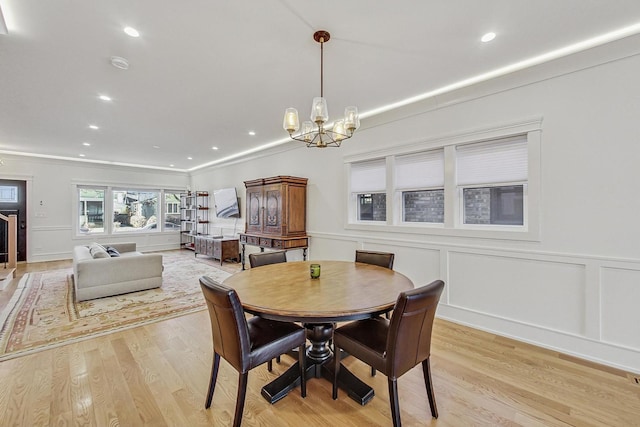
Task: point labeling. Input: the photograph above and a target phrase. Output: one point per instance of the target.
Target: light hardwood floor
(157, 375)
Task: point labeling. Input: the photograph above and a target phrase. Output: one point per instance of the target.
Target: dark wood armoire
(276, 215)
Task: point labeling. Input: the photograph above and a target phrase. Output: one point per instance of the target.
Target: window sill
(499, 232)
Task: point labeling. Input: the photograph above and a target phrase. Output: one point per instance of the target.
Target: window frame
(171, 208)
(354, 194)
(515, 227)
(159, 196)
(109, 214)
(13, 189)
(400, 206)
(398, 189)
(76, 209)
(453, 226)
(356, 197)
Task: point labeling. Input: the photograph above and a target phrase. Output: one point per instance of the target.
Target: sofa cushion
(112, 251)
(98, 251)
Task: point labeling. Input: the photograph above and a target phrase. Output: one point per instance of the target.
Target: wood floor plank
(146, 406)
(5, 391)
(82, 407)
(105, 411)
(119, 392)
(61, 411)
(43, 374)
(14, 415)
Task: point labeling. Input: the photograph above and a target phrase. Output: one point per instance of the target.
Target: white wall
(51, 203)
(576, 289)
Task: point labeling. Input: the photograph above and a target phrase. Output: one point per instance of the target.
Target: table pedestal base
(319, 364)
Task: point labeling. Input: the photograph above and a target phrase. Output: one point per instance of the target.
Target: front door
(13, 201)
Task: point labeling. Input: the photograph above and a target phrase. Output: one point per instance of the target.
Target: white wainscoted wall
(576, 287)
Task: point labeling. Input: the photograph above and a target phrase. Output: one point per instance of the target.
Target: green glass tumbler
(315, 271)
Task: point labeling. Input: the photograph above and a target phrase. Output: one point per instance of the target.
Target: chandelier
(313, 132)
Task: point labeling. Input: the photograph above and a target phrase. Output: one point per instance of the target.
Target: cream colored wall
(576, 289)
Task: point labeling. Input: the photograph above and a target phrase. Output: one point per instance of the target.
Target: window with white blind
(491, 180)
(368, 190)
(482, 184)
(419, 183)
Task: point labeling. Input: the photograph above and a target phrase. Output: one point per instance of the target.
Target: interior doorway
(13, 201)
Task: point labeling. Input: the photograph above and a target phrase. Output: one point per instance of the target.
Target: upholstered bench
(98, 273)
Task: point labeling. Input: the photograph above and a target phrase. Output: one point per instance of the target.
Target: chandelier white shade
(313, 132)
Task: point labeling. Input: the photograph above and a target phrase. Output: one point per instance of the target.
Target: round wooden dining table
(344, 291)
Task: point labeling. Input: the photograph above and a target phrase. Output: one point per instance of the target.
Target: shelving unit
(194, 217)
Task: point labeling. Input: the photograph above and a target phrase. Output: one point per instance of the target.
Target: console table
(278, 243)
(221, 248)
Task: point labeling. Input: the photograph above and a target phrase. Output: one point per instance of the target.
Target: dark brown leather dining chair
(266, 258)
(243, 343)
(394, 346)
(383, 259)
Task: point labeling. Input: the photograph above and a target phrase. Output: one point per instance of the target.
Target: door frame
(29, 188)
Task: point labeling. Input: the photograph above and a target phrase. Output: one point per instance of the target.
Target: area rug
(43, 314)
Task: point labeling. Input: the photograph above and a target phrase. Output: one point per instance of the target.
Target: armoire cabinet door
(276, 207)
(272, 196)
(254, 209)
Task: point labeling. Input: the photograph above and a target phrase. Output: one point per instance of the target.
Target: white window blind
(492, 162)
(420, 170)
(368, 177)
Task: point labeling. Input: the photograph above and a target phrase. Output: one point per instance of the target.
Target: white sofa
(96, 275)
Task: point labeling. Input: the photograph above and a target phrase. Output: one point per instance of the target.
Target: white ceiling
(205, 73)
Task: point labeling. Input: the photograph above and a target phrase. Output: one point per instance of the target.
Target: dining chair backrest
(394, 346)
(245, 344)
(266, 258)
(228, 323)
(382, 259)
(409, 335)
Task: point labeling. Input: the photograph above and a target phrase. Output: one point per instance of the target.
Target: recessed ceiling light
(189, 158)
(171, 166)
(86, 144)
(214, 148)
(94, 127)
(105, 97)
(82, 155)
(252, 133)
(488, 37)
(130, 31)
